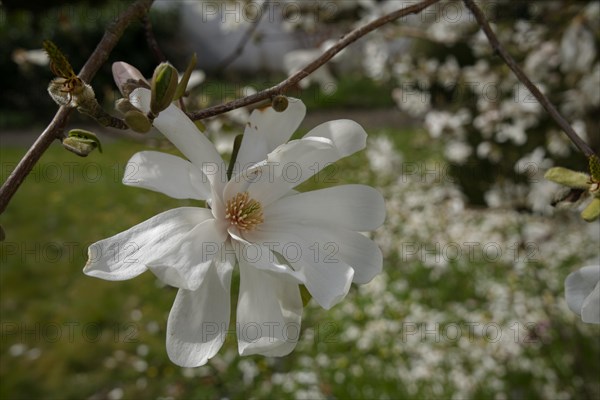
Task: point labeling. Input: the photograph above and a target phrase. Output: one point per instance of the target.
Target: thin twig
(151, 39)
(304, 72)
(499, 49)
(244, 41)
(56, 127)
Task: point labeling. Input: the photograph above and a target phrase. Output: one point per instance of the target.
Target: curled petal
(181, 131)
(187, 262)
(126, 255)
(167, 174)
(327, 278)
(580, 285)
(198, 322)
(268, 314)
(286, 167)
(268, 129)
(590, 310)
(347, 136)
(262, 258)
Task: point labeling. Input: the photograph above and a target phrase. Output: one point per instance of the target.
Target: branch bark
(55, 129)
(544, 101)
(244, 41)
(304, 72)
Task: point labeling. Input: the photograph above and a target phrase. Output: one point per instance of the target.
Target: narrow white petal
(268, 129)
(579, 285)
(326, 276)
(329, 244)
(187, 262)
(262, 258)
(590, 310)
(352, 248)
(199, 319)
(288, 166)
(347, 135)
(354, 207)
(269, 313)
(181, 131)
(126, 255)
(167, 174)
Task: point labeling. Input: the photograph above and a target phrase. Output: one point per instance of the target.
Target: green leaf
(182, 86)
(59, 64)
(237, 142)
(85, 137)
(306, 296)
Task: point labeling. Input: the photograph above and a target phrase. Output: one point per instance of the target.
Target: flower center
(244, 212)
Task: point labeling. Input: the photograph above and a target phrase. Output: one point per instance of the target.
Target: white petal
(287, 166)
(352, 248)
(327, 279)
(268, 129)
(186, 263)
(167, 174)
(331, 245)
(181, 131)
(579, 285)
(199, 319)
(262, 258)
(590, 310)
(125, 255)
(294, 162)
(347, 135)
(354, 207)
(269, 313)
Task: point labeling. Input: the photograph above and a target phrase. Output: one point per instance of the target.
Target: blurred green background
(475, 327)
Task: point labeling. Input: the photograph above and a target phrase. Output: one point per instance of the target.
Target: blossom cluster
(445, 73)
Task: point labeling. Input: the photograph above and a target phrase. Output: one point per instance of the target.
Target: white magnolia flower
(280, 238)
(582, 291)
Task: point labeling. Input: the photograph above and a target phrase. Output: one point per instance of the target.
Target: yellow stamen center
(244, 212)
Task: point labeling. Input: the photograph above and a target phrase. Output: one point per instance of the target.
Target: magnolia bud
(592, 211)
(137, 121)
(164, 84)
(123, 106)
(569, 178)
(70, 92)
(127, 77)
(81, 142)
(279, 103)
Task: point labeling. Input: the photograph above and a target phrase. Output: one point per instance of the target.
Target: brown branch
(304, 72)
(244, 41)
(151, 39)
(56, 127)
(544, 101)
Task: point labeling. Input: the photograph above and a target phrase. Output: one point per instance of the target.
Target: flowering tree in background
(508, 104)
